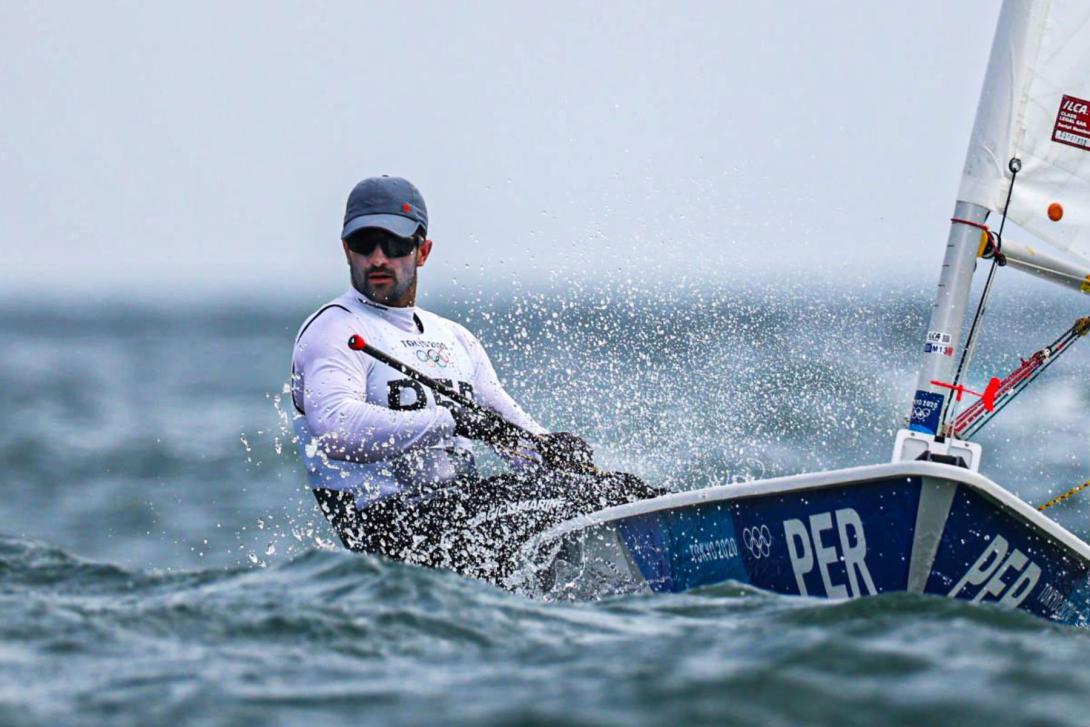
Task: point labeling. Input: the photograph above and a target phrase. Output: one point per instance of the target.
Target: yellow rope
(1064, 496)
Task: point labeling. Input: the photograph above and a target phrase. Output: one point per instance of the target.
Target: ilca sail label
(1073, 123)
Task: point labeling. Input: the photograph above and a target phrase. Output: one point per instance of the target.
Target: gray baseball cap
(391, 203)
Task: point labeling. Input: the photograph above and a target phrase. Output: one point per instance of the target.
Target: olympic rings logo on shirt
(758, 541)
(434, 357)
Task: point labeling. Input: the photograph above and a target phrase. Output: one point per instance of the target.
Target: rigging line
(1015, 166)
(976, 426)
(979, 424)
(1048, 355)
(1045, 358)
(972, 338)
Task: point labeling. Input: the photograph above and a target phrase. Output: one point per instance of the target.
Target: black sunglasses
(365, 241)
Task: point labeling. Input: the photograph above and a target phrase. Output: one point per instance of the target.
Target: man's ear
(422, 253)
(347, 258)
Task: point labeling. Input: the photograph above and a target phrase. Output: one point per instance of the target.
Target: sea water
(160, 560)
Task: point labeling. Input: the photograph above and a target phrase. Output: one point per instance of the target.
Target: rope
(1015, 165)
(978, 225)
(970, 421)
(987, 237)
(1057, 500)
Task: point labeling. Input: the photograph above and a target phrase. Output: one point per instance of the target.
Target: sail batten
(1035, 106)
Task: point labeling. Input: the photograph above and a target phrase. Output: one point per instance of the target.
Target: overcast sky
(210, 146)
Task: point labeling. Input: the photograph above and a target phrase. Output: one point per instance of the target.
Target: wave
(331, 636)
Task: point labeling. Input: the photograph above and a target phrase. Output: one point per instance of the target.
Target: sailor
(390, 463)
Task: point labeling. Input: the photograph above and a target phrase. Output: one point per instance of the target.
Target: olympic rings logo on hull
(758, 541)
(434, 357)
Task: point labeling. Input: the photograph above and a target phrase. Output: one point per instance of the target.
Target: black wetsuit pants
(476, 527)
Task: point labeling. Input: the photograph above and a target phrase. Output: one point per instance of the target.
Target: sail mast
(947, 317)
(987, 159)
(1034, 108)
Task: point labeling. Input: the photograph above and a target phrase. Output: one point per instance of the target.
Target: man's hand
(565, 451)
(482, 424)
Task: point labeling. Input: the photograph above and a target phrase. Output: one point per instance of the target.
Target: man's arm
(561, 450)
(487, 388)
(333, 388)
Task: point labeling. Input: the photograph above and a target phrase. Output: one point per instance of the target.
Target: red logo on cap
(406, 207)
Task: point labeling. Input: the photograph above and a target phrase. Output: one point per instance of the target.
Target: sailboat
(929, 521)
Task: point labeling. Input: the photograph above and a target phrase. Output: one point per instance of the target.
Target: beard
(386, 293)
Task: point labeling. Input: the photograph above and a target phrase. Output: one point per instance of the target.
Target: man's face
(381, 274)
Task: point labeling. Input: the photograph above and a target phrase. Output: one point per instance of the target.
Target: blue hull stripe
(857, 540)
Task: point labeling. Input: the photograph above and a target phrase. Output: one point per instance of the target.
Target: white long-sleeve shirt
(365, 426)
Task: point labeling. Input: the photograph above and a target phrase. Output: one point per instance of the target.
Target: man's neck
(407, 301)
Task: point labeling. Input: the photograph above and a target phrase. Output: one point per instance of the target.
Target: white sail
(1035, 106)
